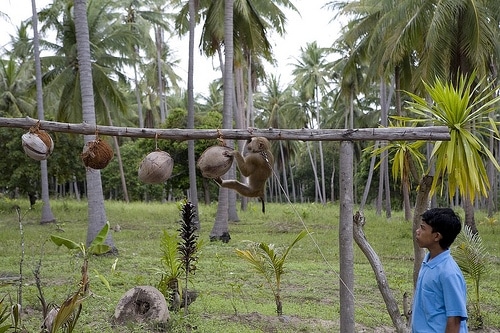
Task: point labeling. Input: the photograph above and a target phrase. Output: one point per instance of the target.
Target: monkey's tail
(263, 204)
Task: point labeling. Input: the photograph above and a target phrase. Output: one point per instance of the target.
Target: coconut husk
(213, 163)
(156, 167)
(97, 154)
(37, 143)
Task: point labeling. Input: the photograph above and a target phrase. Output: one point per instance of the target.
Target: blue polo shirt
(440, 293)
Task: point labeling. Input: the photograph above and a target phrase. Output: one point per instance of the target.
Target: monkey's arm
(246, 166)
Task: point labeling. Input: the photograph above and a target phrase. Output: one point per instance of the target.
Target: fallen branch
(378, 269)
(421, 205)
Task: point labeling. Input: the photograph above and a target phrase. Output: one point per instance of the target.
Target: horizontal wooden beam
(432, 133)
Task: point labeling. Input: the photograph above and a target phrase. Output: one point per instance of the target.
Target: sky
(313, 24)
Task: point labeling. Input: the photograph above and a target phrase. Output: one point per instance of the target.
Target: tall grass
(231, 297)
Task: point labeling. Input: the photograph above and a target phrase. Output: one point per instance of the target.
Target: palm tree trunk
(397, 83)
(120, 162)
(387, 187)
(96, 213)
(138, 98)
(380, 194)
(432, 168)
(120, 168)
(469, 215)
(244, 200)
(248, 120)
(332, 183)
(313, 165)
(220, 230)
(320, 143)
(406, 200)
(249, 115)
(47, 215)
(237, 116)
(292, 179)
(193, 190)
(322, 167)
(285, 178)
(75, 189)
(491, 177)
(161, 95)
(384, 161)
(369, 180)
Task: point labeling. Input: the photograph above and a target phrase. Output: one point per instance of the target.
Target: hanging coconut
(37, 143)
(213, 162)
(156, 167)
(97, 154)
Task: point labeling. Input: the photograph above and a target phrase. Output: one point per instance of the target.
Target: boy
(439, 304)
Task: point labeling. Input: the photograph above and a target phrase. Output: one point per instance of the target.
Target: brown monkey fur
(256, 165)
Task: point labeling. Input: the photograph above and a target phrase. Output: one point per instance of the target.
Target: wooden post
(346, 251)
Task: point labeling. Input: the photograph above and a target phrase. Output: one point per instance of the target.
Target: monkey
(256, 165)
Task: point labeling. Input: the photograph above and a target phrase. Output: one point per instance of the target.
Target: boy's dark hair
(446, 222)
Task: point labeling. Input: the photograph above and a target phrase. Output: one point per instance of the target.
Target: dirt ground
(273, 324)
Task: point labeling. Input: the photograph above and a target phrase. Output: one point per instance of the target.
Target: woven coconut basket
(213, 163)
(156, 167)
(97, 154)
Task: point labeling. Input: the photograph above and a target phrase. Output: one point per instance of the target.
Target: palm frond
(471, 255)
(464, 108)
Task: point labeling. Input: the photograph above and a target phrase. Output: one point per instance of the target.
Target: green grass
(232, 297)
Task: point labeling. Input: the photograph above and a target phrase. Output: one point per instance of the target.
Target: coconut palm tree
(15, 100)
(280, 108)
(47, 215)
(110, 42)
(252, 21)
(407, 166)
(220, 230)
(312, 79)
(139, 20)
(95, 197)
(213, 101)
(149, 82)
(21, 44)
(193, 191)
(249, 26)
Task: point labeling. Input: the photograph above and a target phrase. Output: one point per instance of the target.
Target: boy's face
(425, 237)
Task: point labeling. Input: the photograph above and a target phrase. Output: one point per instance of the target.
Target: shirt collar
(437, 259)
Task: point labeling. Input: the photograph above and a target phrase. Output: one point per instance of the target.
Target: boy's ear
(438, 236)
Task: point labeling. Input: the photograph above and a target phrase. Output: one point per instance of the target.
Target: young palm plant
(463, 107)
(66, 316)
(180, 254)
(188, 246)
(473, 260)
(270, 264)
(170, 271)
(407, 165)
(9, 312)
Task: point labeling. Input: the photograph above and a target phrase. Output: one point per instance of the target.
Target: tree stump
(142, 304)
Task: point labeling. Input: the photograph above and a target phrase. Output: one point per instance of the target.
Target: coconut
(156, 167)
(213, 162)
(97, 154)
(37, 143)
